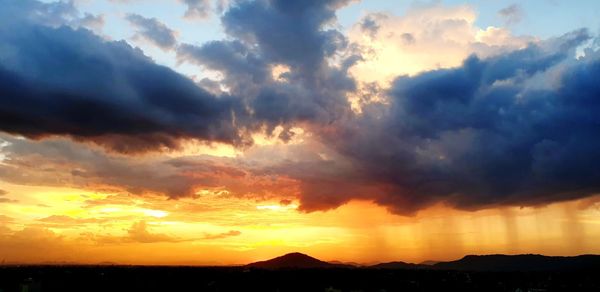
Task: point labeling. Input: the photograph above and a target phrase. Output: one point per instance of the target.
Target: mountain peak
(296, 254)
(293, 260)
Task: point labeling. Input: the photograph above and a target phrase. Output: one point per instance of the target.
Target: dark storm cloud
(290, 33)
(519, 128)
(242, 67)
(436, 139)
(63, 81)
(484, 134)
(110, 93)
(153, 30)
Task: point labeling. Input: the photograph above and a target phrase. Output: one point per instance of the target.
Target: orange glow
(79, 226)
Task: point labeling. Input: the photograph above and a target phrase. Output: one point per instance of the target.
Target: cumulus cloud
(105, 92)
(151, 29)
(515, 124)
(267, 34)
(393, 45)
(483, 134)
(101, 96)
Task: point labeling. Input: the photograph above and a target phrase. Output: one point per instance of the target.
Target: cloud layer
(516, 127)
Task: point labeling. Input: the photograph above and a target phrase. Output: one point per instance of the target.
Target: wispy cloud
(512, 14)
(153, 30)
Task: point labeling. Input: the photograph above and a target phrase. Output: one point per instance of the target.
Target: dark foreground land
(134, 278)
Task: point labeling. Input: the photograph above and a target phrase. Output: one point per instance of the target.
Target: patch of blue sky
(169, 12)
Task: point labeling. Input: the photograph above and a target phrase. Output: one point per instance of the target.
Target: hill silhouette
(492, 263)
(428, 263)
(295, 260)
(396, 265)
(527, 262)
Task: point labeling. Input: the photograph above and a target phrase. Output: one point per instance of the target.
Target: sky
(221, 132)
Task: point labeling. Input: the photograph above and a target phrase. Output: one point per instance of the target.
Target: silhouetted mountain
(528, 262)
(346, 263)
(60, 263)
(396, 265)
(294, 260)
(429, 263)
(492, 263)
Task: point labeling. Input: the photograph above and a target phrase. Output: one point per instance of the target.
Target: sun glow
(224, 230)
(277, 207)
(155, 213)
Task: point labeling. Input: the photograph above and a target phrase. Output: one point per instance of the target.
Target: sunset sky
(218, 132)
